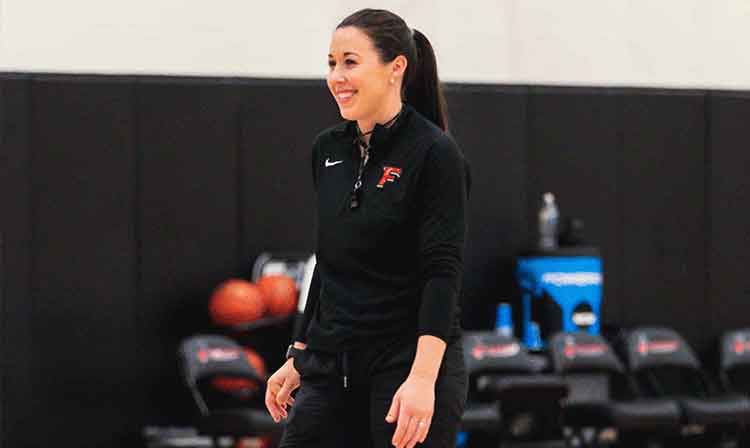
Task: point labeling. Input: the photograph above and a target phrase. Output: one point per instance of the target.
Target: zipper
(356, 194)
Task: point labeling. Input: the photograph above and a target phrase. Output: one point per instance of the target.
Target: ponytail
(423, 89)
(391, 36)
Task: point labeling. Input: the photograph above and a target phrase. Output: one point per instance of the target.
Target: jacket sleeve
(443, 198)
(300, 333)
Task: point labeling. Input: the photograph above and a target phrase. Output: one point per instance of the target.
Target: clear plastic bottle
(548, 222)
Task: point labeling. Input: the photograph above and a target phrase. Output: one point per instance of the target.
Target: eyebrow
(345, 54)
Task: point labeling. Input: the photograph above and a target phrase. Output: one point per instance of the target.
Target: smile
(345, 96)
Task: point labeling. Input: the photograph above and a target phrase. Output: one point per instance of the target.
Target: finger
(403, 425)
(283, 396)
(411, 429)
(417, 435)
(284, 393)
(289, 402)
(273, 407)
(423, 430)
(394, 409)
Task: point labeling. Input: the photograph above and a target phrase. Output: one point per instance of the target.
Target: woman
(378, 357)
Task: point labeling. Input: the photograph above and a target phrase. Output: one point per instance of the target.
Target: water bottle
(548, 219)
(504, 320)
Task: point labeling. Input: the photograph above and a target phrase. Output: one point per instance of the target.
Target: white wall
(677, 43)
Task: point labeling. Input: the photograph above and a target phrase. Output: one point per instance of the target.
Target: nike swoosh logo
(329, 163)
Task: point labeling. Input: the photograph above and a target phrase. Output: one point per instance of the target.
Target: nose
(337, 76)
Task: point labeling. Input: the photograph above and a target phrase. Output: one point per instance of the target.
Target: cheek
(376, 88)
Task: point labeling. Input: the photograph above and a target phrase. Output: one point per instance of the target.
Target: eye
(350, 62)
(331, 63)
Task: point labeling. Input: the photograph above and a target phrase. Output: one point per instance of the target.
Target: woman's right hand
(279, 389)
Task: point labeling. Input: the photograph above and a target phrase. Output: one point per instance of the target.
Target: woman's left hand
(413, 405)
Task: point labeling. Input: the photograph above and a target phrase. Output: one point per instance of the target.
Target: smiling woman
(365, 88)
(374, 51)
(378, 359)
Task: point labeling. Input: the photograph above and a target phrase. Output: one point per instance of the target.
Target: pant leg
(390, 370)
(318, 418)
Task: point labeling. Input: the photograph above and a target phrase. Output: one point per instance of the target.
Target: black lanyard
(356, 195)
(358, 183)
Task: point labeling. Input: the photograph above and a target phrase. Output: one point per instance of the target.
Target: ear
(398, 66)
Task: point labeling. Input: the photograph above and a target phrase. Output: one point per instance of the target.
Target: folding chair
(508, 398)
(205, 357)
(734, 363)
(665, 366)
(602, 400)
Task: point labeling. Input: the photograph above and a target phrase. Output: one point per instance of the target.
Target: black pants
(328, 414)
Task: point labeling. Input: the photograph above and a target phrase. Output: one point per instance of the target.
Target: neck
(384, 115)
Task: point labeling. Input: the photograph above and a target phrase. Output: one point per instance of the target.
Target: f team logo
(390, 174)
(647, 347)
(217, 354)
(741, 345)
(481, 351)
(573, 350)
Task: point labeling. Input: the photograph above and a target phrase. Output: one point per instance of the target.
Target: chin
(347, 113)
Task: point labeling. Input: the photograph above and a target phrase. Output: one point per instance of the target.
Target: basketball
(236, 301)
(280, 293)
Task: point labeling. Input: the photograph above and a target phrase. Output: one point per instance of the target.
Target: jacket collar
(380, 134)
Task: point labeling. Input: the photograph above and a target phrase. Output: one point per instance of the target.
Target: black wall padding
(2, 306)
(276, 188)
(15, 179)
(729, 196)
(125, 200)
(276, 149)
(664, 213)
(573, 151)
(488, 124)
(84, 260)
(187, 221)
(3, 174)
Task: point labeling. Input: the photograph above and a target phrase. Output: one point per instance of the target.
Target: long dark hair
(392, 37)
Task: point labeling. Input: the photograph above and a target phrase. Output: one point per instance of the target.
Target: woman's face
(358, 80)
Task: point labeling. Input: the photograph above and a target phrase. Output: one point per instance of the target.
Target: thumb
(394, 410)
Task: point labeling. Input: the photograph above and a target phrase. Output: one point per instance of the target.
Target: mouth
(345, 96)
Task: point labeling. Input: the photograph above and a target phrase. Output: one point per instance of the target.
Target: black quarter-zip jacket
(392, 266)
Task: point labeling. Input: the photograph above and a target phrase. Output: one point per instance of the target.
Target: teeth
(345, 95)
